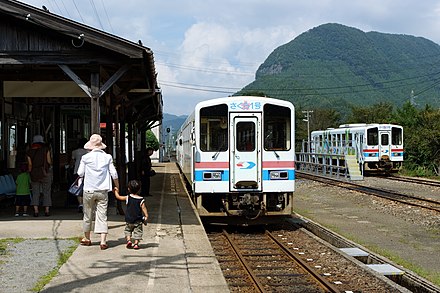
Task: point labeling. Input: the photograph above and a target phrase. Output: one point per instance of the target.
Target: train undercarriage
(251, 208)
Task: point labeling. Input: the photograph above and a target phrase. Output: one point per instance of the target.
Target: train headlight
(212, 175)
(279, 175)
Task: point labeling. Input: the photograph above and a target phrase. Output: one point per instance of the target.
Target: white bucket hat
(95, 142)
(38, 139)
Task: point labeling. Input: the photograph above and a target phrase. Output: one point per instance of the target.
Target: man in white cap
(39, 161)
(98, 171)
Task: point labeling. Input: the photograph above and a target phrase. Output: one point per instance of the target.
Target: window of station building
(214, 128)
(277, 127)
(372, 136)
(396, 135)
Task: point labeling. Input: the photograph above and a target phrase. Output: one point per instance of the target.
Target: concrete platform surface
(175, 253)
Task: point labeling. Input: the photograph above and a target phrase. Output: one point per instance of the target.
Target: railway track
(407, 199)
(288, 259)
(260, 263)
(412, 180)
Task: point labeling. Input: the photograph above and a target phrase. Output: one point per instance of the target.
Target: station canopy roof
(46, 58)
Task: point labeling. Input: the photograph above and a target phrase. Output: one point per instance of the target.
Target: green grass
(62, 259)
(5, 242)
(434, 277)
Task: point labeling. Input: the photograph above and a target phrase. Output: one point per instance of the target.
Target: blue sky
(207, 49)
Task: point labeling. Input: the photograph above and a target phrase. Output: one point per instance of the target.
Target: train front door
(384, 144)
(245, 145)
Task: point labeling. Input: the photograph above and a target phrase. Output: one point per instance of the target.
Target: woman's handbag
(151, 173)
(76, 188)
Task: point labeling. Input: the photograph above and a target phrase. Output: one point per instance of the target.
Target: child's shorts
(22, 200)
(134, 230)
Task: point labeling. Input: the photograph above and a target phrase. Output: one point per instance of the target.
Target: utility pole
(307, 116)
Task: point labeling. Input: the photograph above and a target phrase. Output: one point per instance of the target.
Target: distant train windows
(396, 136)
(214, 128)
(277, 127)
(372, 136)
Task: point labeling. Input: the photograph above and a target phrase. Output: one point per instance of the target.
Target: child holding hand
(136, 214)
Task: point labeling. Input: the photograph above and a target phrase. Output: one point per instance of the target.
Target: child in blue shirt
(136, 213)
(23, 192)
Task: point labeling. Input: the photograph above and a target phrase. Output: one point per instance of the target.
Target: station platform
(175, 253)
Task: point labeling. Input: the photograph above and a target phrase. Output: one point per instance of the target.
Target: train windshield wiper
(214, 156)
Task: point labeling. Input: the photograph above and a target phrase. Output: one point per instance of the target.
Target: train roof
(358, 126)
(239, 99)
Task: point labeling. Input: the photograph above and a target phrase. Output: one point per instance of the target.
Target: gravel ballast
(24, 263)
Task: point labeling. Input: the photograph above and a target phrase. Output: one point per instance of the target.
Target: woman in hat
(98, 171)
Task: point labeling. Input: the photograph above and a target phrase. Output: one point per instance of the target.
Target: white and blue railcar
(377, 147)
(238, 154)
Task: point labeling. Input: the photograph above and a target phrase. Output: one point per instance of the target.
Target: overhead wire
(96, 14)
(106, 14)
(67, 11)
(308, 91)
(79, 13)
(56, 5)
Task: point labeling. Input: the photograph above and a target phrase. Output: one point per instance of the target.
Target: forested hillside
(344, 75)
(335, 66)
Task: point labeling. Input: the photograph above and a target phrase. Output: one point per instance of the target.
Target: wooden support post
(94, 102)
(56, 146)
(3, 133)
(131, 138)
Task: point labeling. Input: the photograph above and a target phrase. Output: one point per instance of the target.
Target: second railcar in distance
(377, 147)
(238, 154)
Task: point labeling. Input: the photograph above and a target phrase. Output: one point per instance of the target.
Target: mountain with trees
(173, 121)
(340, 74)
(335, 66)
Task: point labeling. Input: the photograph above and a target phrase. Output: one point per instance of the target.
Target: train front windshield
(373, 136)
(277, 128)
(214, 129)
(396, 136)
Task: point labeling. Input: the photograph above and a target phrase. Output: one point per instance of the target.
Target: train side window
(396, 135)
(213, 128)
(277, 127)
(372, 136)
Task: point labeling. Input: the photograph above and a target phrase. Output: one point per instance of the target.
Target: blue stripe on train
(225, 175)
(290, 174)
(199, 175)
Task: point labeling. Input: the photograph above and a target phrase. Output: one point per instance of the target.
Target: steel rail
(391, 195)
(319, 279)
(257, 285)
